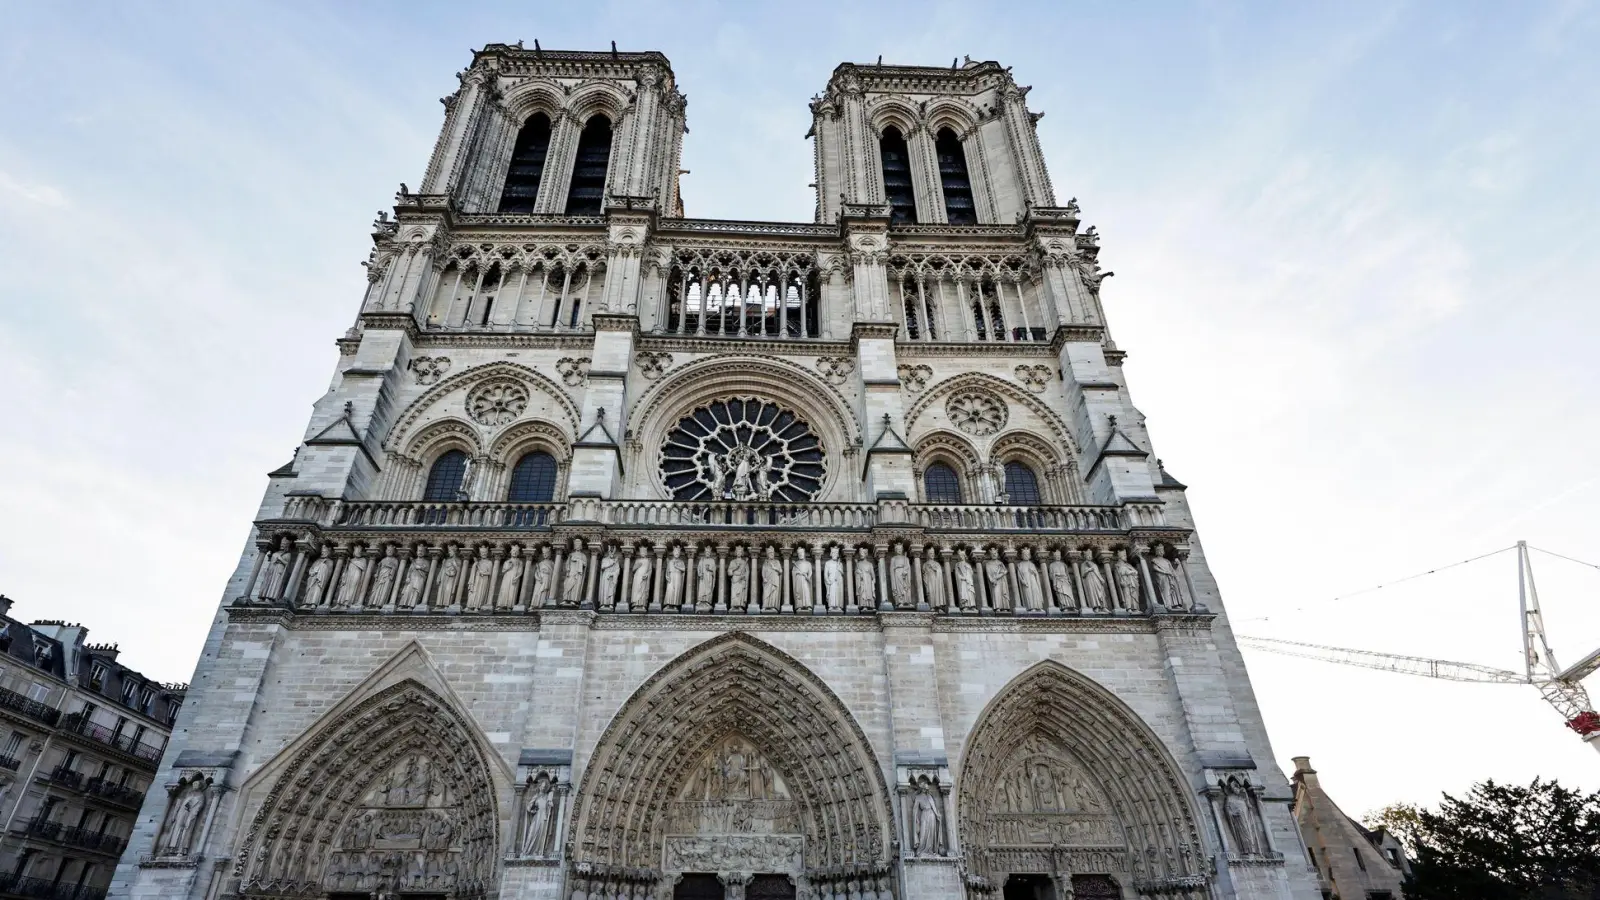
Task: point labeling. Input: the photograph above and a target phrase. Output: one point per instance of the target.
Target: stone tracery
(742, 448)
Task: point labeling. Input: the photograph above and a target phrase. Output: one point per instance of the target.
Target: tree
(1506, 842)
(1403, 820)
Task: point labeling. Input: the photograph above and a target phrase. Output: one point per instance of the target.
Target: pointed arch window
(897, 177)
(527, 166)
(940, 484)
(533, 479)
(444, 479)
(586, 196)
(953, 178)
(1022, 486)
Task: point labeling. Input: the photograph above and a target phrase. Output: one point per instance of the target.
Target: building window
(1022, 486)
(147, 699)
(897, 177)
(97, 677)
(14, 745)
(940, 484)
(527, 166)
(586, 196)
(129, 690)
(534, 479)
(958, 206)
(39, 693)
(444, 479)
(1380, 895)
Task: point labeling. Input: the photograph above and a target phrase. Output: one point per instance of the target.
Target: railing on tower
(734, 294)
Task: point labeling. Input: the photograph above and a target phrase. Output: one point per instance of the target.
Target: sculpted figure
(833, 580)
(610, 571)
(677, 573)
(183, 818)
(802, 570)
(510, 579)
(929, 821)
(543, 571)
(482, 580)
(1094, 583)
(866, 580)
(416, 582)
(1061, 581)
(572, 581)
(317, 580)
(900, 578)
(1241, 820)
(994, 570)
(449, 578)
(738, 580)
(540, 817)
(1164, 572)
(771, 581)
(705, 579)
(275, 572)
(1127, 583)
(1028, 583)
(383, 579)
(354, 570)
(966, 582)
(641, 580)
(933, 580)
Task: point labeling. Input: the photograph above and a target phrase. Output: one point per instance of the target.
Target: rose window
(977, 412)
(742, 448)
(497, 402)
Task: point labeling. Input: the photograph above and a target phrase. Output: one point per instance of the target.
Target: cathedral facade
(631, 555)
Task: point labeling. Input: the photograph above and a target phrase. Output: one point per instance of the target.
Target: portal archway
(1062, 781)
(733, 758)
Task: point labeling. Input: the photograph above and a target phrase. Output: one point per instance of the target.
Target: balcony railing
(116, 793)
(33, 709)
(10, 762)
(449, 515)
(67, 777)
(92, 840)
(78, 724)
(24, 886)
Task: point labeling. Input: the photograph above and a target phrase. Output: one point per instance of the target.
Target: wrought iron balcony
(78, 724)
(40, 889)
(67, 776)
(91, 840)
(115, 793)
(10, 762)
(33, 709)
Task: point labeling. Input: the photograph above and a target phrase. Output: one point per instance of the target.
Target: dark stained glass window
(1022, 486)
(940, 484)
(444, 479)
(533, 480)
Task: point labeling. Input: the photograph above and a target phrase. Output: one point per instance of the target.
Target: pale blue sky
(1355, 277)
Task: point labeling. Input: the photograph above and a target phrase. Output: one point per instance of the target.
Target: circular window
(742, 448)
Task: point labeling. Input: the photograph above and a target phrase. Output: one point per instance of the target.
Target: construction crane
(1561, 688)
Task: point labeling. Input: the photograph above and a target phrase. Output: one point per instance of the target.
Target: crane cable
(1379, 587)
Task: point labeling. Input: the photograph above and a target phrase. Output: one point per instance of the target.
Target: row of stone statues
(649, 576)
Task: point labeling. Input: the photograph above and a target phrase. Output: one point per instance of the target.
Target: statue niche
(734, 813)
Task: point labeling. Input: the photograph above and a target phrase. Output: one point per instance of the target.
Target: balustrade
(26, 886)
(33, 709)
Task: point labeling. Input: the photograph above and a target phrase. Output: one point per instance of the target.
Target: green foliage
(1403, 820)
(1506, 842)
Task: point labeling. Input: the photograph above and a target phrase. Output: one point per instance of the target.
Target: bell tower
(937, 146)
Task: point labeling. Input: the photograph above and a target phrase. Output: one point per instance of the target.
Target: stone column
(291, 587)
(557, 570)
(819, 603)
(1073, 557)
(497, 556)
(719, 595)
(624, 598)
(435, 555)
(400, 571)
(591, 575)
(914, 558)
(885, 595)
(657, 577)
(788, 594)
(850, 606)
(1103, 557)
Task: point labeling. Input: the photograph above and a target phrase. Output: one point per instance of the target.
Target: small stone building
(1352, 862)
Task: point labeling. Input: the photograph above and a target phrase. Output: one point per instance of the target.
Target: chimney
(1303, 770)
(5, 605)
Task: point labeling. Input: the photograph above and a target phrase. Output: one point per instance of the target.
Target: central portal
(734, 814)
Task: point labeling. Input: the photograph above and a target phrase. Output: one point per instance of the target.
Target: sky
(1355, 279)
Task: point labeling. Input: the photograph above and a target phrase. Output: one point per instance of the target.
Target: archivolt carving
(1001, 388)
(736, 737)
(951, 447)
(395, 794)
(527, 435)
(455, 432)
(1058, 765)
(466, 380)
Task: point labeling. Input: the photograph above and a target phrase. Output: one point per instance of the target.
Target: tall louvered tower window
(527, 166)
(586, 197)
(958, 207)
(897, 177)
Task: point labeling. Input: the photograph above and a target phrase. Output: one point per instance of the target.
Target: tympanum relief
(404, 836)
(735, 813)
(1045, 799)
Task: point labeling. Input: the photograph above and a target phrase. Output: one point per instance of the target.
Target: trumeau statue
(771, 581)
(1028, 584)
(510, 579)
(572, 581)
(705, 579)
(383, 579)
(1165, 574)
(640, 599)
(1094, 584)
(900, 578)
(1061, 581)
(355, 569)
(802, 570)
(833, 580)
(966, 582)
(677, 573)
(543, 571)
(610, 571)
(994, 570)
(1127, 582)
(416, 582)
(866, 580)
(933, 580)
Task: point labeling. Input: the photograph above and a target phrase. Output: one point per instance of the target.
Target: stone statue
(771, 581)
(900, 578)
(994, 571)
(1127, 583)
(610, 571)
(449, 578)
(276, 572)
(1241, 819)
(416, 582)
(966, 582)
(383, 578)
(510, 579)
(1164, 572)
(640, 598)
(705, 579)
(543, 571)
(1028, 583)
(572, 581)
(355, 569)
(677, 573)
(929, 821)
(183, 821)
(482, 580)
(801, 570)
(933, 580)
(1094, 583)
(317, 580)
(1061, 582)
(866, 580)
(540, 817)
(738, 580)
(833, 580)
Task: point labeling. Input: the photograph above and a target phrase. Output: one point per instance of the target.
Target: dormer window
(897, 177)
(527, 166)
(97, 677)
(586, 196)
